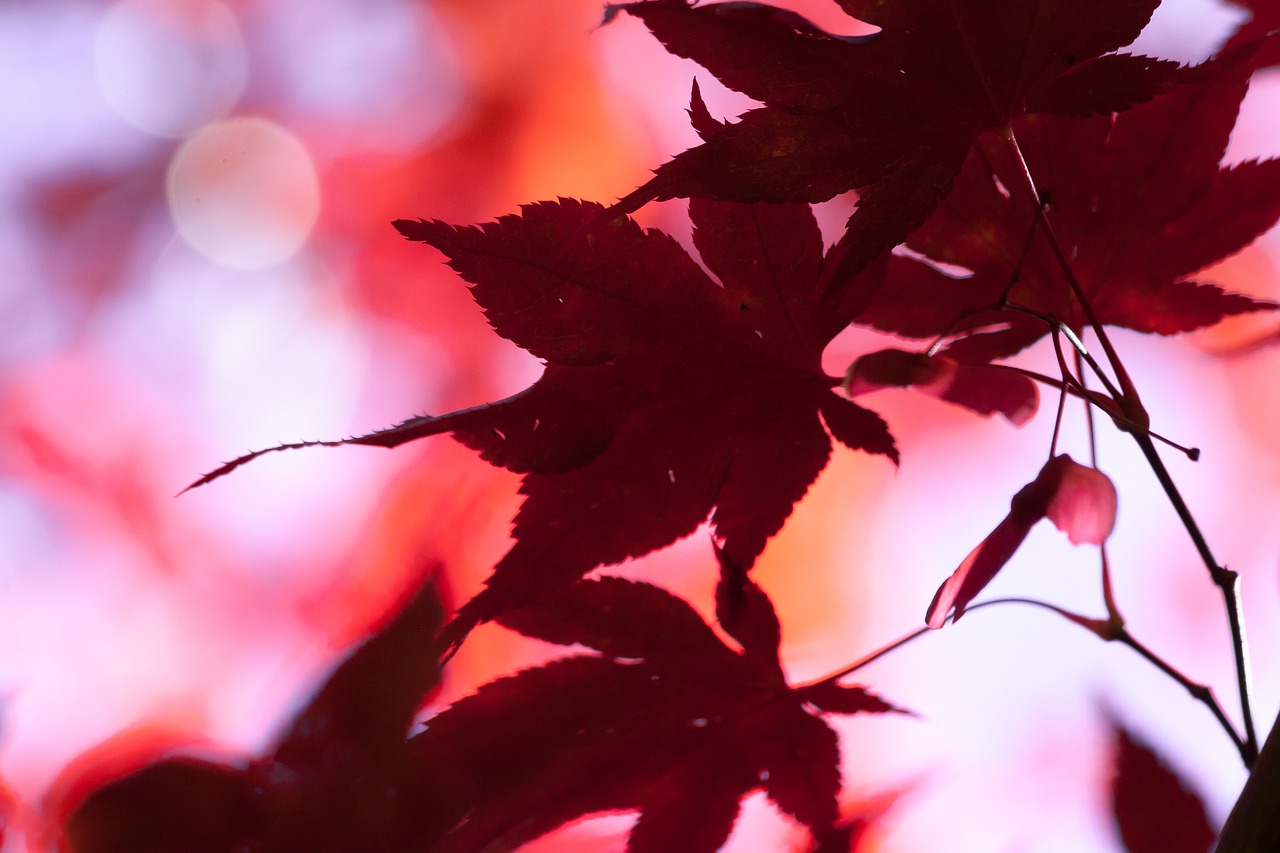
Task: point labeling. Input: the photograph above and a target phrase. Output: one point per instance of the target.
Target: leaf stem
(1056, 327)
(1108, 593)
(871, 658)
(1067, 379)
(1192, 453)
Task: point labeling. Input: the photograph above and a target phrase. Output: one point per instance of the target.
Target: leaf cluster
(1016, 175)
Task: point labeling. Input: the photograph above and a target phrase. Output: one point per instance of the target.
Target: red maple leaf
(1154, 810)
(892, 115)
(666, 394)
(333, 776)
(1138, 202)
(667, 720)
(328, 785)
(1264, 17)
(176, 804)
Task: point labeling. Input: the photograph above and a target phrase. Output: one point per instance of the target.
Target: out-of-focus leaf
(333, 775)
(680, 738)
(179, 804)
(331, 783)
(1154, 809)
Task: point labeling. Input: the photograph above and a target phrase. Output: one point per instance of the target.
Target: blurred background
(195, 198)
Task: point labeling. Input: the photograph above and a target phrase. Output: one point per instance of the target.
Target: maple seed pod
(895, 368)
(1079, 500)
(980, 388)
(1084, 502)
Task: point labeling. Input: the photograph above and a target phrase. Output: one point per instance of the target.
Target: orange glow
(204, 264)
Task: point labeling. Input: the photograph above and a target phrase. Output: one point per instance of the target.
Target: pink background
(195, 201)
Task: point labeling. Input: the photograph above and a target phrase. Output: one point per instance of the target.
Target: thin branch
(1108, 593)
(1131, 405)
(1022, 256)
(1057, 420)
(1073, 388)
(1226, 580)
(1129, 394)
(871, 658)
(1200, 692)
(1076, 344)
(1067, 379)
(1102, 628)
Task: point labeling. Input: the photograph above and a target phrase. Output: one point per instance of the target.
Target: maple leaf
(1139, 203)
(892, 115)
(1080, 501)
(328, 784)
(1264, 17)
(1154, 810)
(333, 774)
(176, 804)
(666, 394)
(667, 720)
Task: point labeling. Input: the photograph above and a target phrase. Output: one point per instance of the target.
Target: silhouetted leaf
(177, 804)
(1154, 810)
(1138, 202)
(679, 737)
(666, 395)
(892, 115)
(331, 785)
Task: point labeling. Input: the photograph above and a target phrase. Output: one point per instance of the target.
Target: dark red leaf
(367, 705)
(841, 699)
(1154, 810)
(330, 785)
(666, 395)
(1138, 201)
(892, 114)
(745, 612)
(680, 738)
(855, 427)
(802, 767)
(176, 804)
(332, 777)
(1264, 17)
(672, 819)
(700, 117)
(588, 614)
